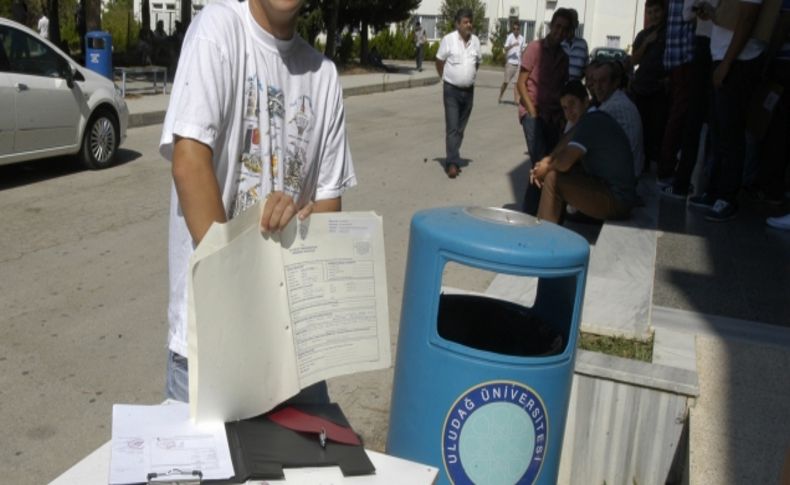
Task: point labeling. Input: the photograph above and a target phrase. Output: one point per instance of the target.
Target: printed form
(270, 315)
(157, 439)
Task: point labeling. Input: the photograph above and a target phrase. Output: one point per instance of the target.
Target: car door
(7, 105)
(47, 109)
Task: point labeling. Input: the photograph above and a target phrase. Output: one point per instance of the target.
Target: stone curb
(137, 120)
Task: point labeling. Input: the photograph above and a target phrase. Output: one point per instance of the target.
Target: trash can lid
(93, 34)
(502, 236)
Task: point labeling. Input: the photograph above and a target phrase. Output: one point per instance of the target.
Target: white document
(270, 315)
(157, 439)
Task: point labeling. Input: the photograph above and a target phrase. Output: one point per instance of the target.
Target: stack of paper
(158, 439)
(272, 314)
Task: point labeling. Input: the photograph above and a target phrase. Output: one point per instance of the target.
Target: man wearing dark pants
(544, 71)
(457, 61)
(737, 62)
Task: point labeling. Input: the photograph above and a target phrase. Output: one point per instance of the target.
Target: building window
(157, 6)
(528, 30)
(613, 41)
(429, 23)
(483, 34)
(171, 6)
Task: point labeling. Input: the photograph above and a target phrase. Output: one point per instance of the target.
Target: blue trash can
(98, 52)
(481, 385)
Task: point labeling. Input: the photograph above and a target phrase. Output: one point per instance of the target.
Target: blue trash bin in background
(98, 52)
(481, 385)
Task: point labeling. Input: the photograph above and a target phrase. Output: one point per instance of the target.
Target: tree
(378, 14)
(449, 9)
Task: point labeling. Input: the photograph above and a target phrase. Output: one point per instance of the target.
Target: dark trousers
(457, 108)
(653, 112)
(700, 91)
(542, 137)
(679, 99)
(776, 145)
(730, 105)
(420, 52)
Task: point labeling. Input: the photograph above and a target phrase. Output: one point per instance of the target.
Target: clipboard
(175, 476)
(261, 449)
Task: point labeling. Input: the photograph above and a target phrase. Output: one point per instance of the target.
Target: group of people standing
(695, 64)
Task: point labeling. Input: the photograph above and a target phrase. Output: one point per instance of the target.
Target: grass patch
(618, 346)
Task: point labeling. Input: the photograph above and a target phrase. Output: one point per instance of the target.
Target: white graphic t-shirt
(272, 113)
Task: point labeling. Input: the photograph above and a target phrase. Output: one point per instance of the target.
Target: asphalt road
(83, 268)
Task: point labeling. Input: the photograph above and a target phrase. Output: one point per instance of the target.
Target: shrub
(118, 20)
(393, 46)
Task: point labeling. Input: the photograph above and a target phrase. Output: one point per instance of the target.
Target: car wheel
(100, 140)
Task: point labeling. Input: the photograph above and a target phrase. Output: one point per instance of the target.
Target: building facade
(602, 23)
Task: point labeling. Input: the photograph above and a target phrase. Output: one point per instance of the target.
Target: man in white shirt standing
(43, 24)
(514, 46)
(457, 62)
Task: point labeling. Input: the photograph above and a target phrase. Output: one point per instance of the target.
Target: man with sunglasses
(255, 114)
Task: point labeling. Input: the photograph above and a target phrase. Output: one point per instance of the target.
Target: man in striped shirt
(576, 49)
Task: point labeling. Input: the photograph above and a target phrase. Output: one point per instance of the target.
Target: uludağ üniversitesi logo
(495, 433)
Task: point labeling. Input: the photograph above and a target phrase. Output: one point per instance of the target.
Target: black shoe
(722, 211)
(672, 193)
(704, 201)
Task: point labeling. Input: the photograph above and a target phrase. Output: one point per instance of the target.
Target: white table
(94, 469)
(137, 71)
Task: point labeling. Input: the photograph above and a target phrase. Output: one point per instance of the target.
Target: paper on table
(156, 439)
(270, 315)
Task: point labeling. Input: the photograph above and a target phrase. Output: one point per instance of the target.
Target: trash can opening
(95, 43)
(496, 326)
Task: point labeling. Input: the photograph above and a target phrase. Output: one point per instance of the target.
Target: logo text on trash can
(495, 433)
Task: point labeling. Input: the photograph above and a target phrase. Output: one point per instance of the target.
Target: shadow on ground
(26, 173)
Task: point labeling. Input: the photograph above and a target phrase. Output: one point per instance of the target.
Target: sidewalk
(739, 431)
(148, 108)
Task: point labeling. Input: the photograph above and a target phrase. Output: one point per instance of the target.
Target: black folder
(260, 448)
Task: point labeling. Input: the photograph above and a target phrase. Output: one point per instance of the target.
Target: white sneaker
(782, 222)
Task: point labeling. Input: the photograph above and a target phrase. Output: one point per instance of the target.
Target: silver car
(49, 105)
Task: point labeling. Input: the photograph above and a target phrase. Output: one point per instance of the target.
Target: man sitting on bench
(593, 172)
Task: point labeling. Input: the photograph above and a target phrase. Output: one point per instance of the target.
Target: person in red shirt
(544, 71)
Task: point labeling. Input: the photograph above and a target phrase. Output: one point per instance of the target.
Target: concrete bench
(142, 71)
(619, 293)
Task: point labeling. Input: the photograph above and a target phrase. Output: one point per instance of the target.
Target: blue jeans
(541, 137)
(457, 108)
(177, 384)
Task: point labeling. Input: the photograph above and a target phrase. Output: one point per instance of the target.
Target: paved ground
(83, 259)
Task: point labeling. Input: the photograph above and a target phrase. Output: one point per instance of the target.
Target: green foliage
(498, 39)
(449, 9)
(617, 346)
(346, 49)
(118, 20)
(393, 46)
(309, 24)
(431, 48)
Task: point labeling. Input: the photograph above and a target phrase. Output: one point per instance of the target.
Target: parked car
(50, 105)
(603, 54)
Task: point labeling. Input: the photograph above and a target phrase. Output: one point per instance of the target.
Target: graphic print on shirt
(284, 171)
(302, 120)
(251, 167)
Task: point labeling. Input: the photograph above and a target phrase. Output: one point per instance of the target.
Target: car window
(27, 55)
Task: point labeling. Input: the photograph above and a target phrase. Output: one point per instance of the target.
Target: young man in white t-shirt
(514, 46)
(255, 113)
